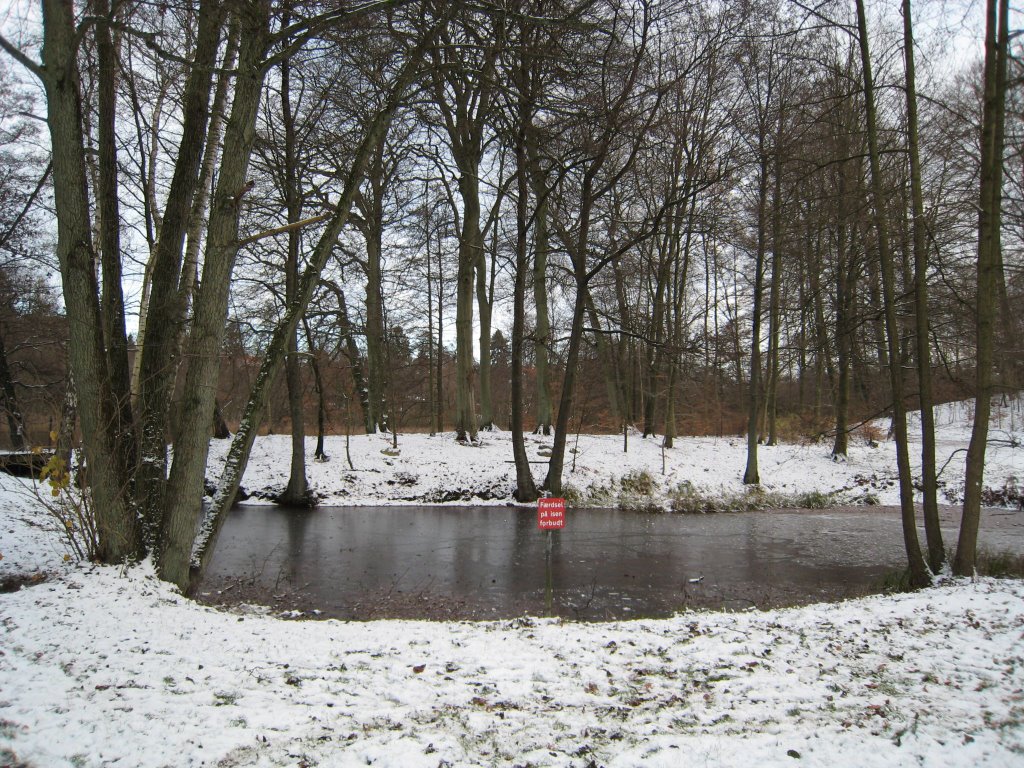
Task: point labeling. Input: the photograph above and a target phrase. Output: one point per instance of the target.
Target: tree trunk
(774, 312)
(470, 242)
(656, 336)
(542, 331)
(933, 531)
(296, 493)
(526, 488)
(183, 501)
(351, 351)
(846, 281)
(9, 401)
(220, 426)
(108, 211)
(119, 537)
(166, 309)
(321, 395)
(989, 223)
(918, 569)
(439, 371)
(750, 474)
(372, 207)
(606, 354)
(483, 302)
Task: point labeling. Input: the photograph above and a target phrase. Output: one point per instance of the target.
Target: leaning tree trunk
(355, 361)
(238, 453)
(165, 316)
(553, 481)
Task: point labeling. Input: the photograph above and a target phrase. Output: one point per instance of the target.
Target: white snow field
(103, 666)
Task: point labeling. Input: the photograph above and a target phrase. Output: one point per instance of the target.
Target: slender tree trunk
(553, 481)
(606, 354)
(542, 331)
(296, 493)
(846, 281)
(918, 569)
(9, 401)
(989, 223)
(440, 339)
(431, 403)
(321, 394)
(933, 531)
(351, 351)
(653, 358)
(526, 489)
(750, 474)
(483, 302)
(774, 312)
(198, 214)
(108, 210)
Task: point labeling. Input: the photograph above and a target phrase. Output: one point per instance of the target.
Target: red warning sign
(550, 514)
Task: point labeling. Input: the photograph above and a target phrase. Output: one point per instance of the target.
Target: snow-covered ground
(100, 667)
(698, 472)
(105, 667)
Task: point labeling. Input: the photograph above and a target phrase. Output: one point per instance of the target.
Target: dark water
(491, 562)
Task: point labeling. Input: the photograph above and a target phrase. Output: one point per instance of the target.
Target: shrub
(815, 500)
(70, 507)
(999, 564)
(637, 482)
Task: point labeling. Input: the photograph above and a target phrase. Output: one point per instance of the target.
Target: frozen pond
(490, 562)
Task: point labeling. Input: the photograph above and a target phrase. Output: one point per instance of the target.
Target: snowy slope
(435, 469)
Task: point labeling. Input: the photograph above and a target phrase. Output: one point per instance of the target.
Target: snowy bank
(104, 667)
(698, 473)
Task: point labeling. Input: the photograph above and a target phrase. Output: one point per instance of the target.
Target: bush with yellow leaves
(70, 506)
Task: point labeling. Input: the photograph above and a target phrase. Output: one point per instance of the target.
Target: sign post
(550, 518)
